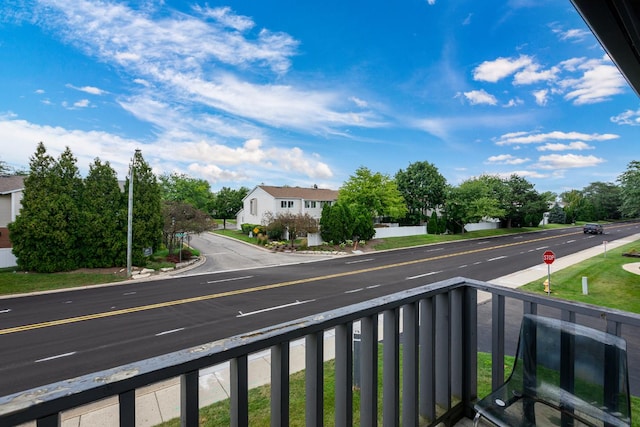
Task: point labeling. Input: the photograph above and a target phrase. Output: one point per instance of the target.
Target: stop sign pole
(548, 257)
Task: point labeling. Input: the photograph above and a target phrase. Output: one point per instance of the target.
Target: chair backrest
(576, 368)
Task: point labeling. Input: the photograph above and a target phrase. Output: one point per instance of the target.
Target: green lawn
(408, 241)
(609, 284)
(17, 282)
(14, 282)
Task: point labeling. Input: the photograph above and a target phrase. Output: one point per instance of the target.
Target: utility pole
(130, 215)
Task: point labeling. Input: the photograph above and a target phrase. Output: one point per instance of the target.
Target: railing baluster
(529, 307)
(457, 307)
(280, 384)
(470, 350)
(239, 392)
(427, 367)
(390, 369)
(314, 379)
(497, 341)
(344, 375)
(369, 371)
(127, 408)
(189, 406)
(443, 354)
(410, 365)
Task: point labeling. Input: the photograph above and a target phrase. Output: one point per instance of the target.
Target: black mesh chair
(565, 375)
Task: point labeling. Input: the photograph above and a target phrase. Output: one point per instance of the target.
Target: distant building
(11, 190)
(296, 200)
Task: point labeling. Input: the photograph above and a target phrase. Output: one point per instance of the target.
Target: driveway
(224, 253)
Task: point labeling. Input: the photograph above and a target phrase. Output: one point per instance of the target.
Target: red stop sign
(548, 257)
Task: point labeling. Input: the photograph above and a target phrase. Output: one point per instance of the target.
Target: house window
(253, 206)
(286, 203)
(309, 204)
(325, 202)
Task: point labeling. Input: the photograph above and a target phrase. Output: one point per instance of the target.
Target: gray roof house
(265, 199)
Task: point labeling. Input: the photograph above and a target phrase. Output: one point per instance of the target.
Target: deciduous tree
(227, 203)
(182, 217)
(630, 189)
(422, 187)
(183, 188)
(375, 192)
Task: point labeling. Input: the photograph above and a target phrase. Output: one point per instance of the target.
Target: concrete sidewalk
(161, 402)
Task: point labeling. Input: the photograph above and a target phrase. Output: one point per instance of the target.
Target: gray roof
(300, 193)
(11, 183)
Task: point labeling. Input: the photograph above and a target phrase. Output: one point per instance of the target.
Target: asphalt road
(55, 336)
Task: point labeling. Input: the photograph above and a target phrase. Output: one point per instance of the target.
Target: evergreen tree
(557, 215)
(28, 236)
(336, 223)
(68, 198)
(45, 234)
(104, 220)
(432, 225)
(147, 209)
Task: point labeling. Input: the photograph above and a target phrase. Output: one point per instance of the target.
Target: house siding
(10, 204)
(292, 198)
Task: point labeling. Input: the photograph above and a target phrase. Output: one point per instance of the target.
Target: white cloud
(118, 33)
(541, 96)
(178, 56)
(492, 71)
(574, 34)
(215, 160)
(226, 17)
(599, 81)
(88, 89)
(539, 138)
(579, 80)
(83, 103)
(359, 102)
(577, 145)
(514, 102)
(506, 159)
(568, 161)
(532, 74)
(629, 117)
(476, 97)
(523, 174)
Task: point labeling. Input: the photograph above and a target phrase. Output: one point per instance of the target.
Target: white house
(295, 200)
(10, 202)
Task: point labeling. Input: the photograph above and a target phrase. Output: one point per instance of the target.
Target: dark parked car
(592, 229)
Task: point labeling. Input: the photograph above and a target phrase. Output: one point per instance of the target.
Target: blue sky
(300, 93)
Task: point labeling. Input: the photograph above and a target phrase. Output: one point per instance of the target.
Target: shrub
(186, 254)
(304, 244)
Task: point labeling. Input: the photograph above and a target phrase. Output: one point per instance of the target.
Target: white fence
(482, 226)
(384, 232)
(7, 259)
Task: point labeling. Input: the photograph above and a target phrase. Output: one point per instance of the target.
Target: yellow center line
(249, 290)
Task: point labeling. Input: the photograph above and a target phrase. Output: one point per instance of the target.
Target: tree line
(420, 195)
(67, 222)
